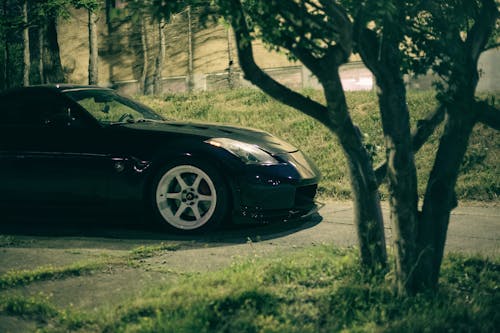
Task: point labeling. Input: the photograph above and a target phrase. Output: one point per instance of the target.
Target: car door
(49, 154)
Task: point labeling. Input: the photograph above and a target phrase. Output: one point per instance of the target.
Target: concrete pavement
(472, 229)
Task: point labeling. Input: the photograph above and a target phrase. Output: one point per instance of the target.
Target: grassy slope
(478, 181)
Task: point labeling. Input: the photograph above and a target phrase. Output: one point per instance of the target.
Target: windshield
(108, 107)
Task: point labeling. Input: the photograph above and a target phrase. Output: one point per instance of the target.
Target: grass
(251, 108)
(319, 289)
(144, 251)
(15, 278)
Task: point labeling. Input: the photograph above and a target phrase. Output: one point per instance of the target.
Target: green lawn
(251, 108)
(319, 289)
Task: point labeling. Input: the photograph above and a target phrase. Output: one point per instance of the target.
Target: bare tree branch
(492, 46)
(258, 77)
(481, 31)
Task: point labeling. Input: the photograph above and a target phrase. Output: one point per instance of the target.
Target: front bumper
(254, 215)
(282, 192)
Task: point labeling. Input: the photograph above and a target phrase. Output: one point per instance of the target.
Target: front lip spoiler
(296, 214)
(284, 216)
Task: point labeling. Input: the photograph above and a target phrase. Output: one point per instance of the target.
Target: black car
(69, 146)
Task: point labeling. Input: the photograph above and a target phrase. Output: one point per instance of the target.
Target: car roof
(63, 87)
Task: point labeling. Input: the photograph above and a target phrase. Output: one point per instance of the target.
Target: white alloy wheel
(186, 197)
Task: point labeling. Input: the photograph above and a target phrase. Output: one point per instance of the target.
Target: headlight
(248, 153)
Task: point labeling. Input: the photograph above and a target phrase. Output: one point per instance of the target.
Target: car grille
(305, 195)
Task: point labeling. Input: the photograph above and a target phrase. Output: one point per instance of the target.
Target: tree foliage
(393, 38)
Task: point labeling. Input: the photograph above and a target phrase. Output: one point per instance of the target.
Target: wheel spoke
(181, 210)
(196, 182)
(202, 197)
(174, 195)
(181, 182)
(162, 205)
(196, 212)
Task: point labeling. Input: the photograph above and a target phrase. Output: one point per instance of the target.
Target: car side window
(34, 109)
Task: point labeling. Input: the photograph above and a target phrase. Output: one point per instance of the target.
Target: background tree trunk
(93, 48)
(190, 78)
(4, 80)
(158, 88)
(230, 60)
(53, 72)
(26, 45)
(41, 32)
(145, 56)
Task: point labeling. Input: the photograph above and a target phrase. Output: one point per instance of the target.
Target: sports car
(87, 146)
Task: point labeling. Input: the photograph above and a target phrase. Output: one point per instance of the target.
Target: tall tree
(319, 34)
(159, 12)
(453, 35)
(93, 8)
(45, 15)
(26, 45)
(160, 58)
(389, 36)
(40, 45)
(93, 47)
(5, 47)
(53, 71)
(190, 48)
(380, 28)
(139, 15)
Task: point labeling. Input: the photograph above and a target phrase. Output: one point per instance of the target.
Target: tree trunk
(4, 80)
(145, 56)
(367, 212)
(400, 171)
(190, 78)
(26, 46)
(230, 60)
(53, 72)
(335, 116)
(93, 48)
(40, 53)
(402, 181)
(440, 197)
(158, 89)
(462, 114)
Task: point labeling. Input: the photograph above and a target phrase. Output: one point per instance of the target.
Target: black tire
(189, 196)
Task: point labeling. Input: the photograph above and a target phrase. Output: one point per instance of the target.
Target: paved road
(471, 229)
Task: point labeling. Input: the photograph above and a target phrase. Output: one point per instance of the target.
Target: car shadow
(136, 231)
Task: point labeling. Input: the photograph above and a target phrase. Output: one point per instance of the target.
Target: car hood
(264, 140)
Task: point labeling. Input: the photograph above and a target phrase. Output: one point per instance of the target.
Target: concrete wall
(121, 60)
(489, 65)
